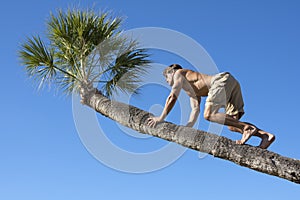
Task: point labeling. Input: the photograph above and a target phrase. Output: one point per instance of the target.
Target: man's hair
(171, 68)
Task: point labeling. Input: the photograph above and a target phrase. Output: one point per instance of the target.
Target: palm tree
(81, 52)
(87, 54)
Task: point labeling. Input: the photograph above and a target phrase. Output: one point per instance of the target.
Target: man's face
(169, 78)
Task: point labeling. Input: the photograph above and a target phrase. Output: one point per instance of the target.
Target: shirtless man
(222, 90)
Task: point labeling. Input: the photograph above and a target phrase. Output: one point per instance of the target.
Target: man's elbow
(172, 98)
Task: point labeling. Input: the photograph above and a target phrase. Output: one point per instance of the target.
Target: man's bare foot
(249, 131)
(266, 141)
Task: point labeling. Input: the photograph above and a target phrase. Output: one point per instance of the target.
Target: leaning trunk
(252, 157)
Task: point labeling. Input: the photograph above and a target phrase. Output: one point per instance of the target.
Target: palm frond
(75, 34)
(38, 60)
(68, 84)
(79, 32)
(127, 72)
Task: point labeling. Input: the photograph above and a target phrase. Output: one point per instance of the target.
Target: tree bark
(245, 155)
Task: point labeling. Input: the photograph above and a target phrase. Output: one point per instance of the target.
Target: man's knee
(209, 112)
(208, 115)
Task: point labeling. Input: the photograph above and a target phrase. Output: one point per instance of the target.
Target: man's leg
(232, 128)
(212, 113)
(266, 138)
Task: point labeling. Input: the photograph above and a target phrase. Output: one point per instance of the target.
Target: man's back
(195, 84)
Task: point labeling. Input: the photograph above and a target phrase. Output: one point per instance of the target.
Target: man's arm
(170, 102)
(195, 105)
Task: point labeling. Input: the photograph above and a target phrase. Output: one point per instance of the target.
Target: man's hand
(153, 121)
(190, 124)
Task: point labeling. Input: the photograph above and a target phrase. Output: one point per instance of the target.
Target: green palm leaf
(126, 73)
(38, 60)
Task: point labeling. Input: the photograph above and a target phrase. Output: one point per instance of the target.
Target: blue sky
(42, 156)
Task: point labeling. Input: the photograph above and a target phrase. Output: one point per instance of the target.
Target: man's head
(169, 72)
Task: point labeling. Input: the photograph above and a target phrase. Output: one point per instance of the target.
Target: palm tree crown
(85, 48)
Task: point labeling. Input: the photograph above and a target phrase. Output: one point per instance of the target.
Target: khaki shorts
(225, 92)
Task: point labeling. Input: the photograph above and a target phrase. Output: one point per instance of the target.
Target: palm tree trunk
(252, 157)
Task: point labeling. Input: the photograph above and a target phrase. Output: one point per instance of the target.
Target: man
(222, 91)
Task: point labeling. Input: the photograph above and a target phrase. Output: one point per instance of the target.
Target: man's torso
(195, 84)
